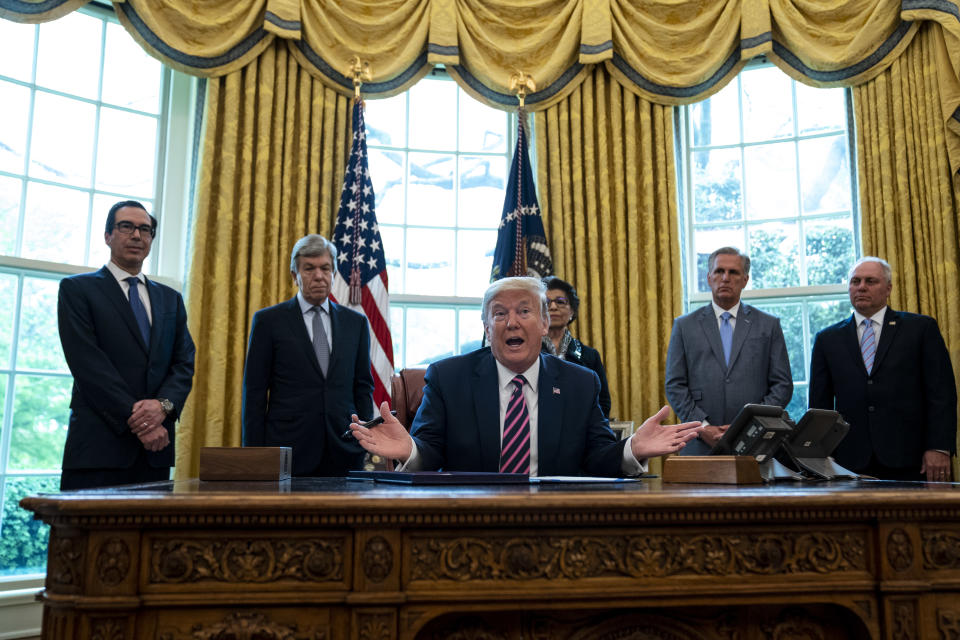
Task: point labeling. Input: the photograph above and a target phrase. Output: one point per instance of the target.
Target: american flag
(361, 279)
(521, 241)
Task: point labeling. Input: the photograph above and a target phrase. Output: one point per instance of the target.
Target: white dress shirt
(121, 277)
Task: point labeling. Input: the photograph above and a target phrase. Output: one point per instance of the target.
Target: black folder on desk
(440, 477)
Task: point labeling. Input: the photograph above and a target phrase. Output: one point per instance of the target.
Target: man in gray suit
(725, 355)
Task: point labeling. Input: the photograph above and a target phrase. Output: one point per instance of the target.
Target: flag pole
(360, 69)
(520, 82)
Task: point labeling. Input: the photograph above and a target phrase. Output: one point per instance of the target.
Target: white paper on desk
(576, 479)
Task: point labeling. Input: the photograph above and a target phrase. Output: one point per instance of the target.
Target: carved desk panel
(331, 559)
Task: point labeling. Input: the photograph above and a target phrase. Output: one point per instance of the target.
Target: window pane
(386, 174)
(39, 343)
(55, 224)
(798, 402)
(716, 120)
(474, 261)
(13, 126)
(821, 110)
(41, 411)
(717, 191)
(122, 164)
(397, 333)
(825, 174)
(8, 306)
(767, 104)
(68, 57)
(483, 182)
(392, 238)
(430, 196)
(23, 540)
(429, 335)
(386, 121)
(10, 189)
(132, 78)
(482, 128)
(471, 330)
(16, 50)
(830, 250)
(771, 176)
(429, 261)
(791, 321)
(62, 140)
(433, 116)
(775, 255)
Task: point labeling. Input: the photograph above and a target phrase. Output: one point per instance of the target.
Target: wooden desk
(332, 559)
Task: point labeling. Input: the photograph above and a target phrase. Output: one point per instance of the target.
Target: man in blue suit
(725, 355)
(509, 408)
(889, 375)
(308, 370)
(126, 343)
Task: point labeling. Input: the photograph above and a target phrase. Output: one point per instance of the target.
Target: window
(85, 112)
(766, 169)
(439, 162)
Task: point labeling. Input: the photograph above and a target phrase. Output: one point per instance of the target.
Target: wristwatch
(166, 405)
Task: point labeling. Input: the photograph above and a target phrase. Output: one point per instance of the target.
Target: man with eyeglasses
(126, 342)
(725, 355)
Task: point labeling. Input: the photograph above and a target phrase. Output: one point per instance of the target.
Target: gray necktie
(320, 344)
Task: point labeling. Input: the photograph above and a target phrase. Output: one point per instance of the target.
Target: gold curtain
(274, 150)
(607, 190)
(908, 199)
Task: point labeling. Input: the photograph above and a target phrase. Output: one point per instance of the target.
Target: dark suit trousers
(140, 472)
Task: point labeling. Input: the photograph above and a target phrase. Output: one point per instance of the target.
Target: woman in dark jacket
(562, 306)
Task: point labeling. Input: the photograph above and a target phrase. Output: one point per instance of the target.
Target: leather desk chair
(406, 391)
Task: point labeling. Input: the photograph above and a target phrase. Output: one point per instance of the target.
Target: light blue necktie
(726, 335)
(139, 312)
(320, 344)
(868, 344)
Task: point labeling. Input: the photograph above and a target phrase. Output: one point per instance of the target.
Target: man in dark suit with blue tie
(889, 375)
(126, 343)
(725, 355)
(308, 370)
(508, 408)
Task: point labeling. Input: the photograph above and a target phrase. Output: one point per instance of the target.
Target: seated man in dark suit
(511, 409)
(308, 370)
(889, 374)
(126, 342)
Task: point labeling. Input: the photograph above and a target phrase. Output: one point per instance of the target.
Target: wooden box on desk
(712, 469)
(245, 463)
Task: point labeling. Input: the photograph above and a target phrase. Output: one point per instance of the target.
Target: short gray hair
(533, 286)
(887, 271)
(729, 251)
(311, 246)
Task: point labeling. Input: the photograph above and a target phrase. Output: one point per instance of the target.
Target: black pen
(369, 424)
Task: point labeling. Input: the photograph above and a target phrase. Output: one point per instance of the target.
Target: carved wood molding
(948, 623)
(377, 559)
(244, 626)
(904, 618)
(65, 560)
(246, 560)
(376, 625)
(899, 550)
(941, 549)
(112, 561)
(504, 557)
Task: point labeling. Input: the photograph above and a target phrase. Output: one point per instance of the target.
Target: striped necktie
(868, 344)
(515, 449)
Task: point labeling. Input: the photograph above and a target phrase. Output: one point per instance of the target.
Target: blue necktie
(136, 305)
(868, 344)
(726, 335)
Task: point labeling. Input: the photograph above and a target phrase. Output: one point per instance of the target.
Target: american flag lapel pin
(556, 391)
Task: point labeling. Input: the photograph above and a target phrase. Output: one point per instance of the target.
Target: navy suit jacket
(457, 427)
(701, 386)
(287, 402)
(113, 368)
(579, 353)
(905, 406)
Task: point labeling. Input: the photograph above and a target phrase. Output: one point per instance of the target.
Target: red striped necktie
(515, 449)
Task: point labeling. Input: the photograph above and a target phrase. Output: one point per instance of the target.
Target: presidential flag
(360, 281)
(521, 241)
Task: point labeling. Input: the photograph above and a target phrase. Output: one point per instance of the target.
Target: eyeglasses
(559, 301)
(126, 228)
